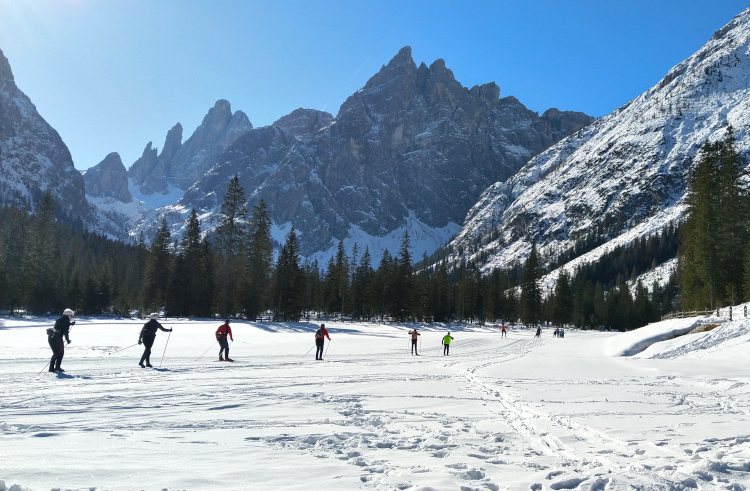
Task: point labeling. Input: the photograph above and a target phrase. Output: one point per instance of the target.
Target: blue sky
(112, 75)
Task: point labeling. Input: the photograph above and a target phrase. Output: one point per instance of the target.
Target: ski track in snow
(517, 413)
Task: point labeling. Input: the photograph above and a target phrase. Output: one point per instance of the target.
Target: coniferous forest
(47, 266)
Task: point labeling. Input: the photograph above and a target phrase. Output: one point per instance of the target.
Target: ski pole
(201, 356)
(121, 349)
(50, 361)
(308, 351)
(165, 348)
(329, 345)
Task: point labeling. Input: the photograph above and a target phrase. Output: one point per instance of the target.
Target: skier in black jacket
(55, 338)
(147, 337)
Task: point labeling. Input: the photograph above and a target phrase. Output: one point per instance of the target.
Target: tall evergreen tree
(158, 269)
(230, 234)
(402, 280)
(531, 295)
(289, 281)
(562, 300)
(258, 262)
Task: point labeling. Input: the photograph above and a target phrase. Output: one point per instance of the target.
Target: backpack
(318, 334)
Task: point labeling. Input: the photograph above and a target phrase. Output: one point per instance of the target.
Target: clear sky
(112, 75)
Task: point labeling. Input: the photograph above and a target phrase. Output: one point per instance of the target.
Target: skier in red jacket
(221, 336)
(320, 336)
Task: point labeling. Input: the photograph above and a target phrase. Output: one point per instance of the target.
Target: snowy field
(516, 413)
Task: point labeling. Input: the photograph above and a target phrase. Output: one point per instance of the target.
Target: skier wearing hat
(320, 336)
(447, 343)
(147, 337)
(55, 338)
(221, 336)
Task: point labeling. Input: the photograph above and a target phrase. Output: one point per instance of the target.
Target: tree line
(46, 265)
(714, 257)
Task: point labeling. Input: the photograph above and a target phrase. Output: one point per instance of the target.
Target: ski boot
(221, 358)
(142, 365)
(229, 359)
(149, 365)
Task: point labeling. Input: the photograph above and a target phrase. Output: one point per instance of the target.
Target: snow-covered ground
(516, 413)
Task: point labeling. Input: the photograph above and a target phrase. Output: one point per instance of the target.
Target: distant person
(447, 343)
(147, 337)
(538, 332)
(414, 337)
(221, 336)
(557, 331)
(320, 336)
(503, 332)
(561, 334)
(55, 339)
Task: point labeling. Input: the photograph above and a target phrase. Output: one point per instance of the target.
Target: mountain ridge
(631, 165)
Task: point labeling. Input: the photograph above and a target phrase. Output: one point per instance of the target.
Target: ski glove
(68, 341)
(139, 341)
(73, 323)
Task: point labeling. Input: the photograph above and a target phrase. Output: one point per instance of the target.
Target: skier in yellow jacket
(447, 344)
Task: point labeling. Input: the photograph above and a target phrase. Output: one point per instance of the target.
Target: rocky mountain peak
(108, 179)
(411, 150)
(172, 143)
(7, 81)
(218, 116)
(304, 121)
(33, 157)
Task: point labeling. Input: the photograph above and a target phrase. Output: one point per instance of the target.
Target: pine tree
(230, 234)
(402, 280)
(441, 294)
(158, 269)
(258, 262)
(531, 295)
(364, 277)
(562, 300)
(289, 281)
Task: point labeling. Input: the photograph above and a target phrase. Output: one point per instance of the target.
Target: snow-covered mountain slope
(34, 159)
(107, 189)
(629, 167)
(412, 150)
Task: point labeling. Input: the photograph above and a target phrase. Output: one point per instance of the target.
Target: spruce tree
(402, 280)
(258, 263)
(531, 295)
(229, 235)
(158, 269)
(288, 275)
(562, 300)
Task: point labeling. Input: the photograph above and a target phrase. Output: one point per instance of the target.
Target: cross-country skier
(320, 336)
(55, 338)
(147, 337)
(503, 334)
(538, 332)
(414, 336)
(557, 331)
(221, 336)
(447, 343)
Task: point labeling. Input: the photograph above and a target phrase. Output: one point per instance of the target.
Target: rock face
(180, 164)
(413, 148)
(34, 159)
(108, 179)
(631, 165)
